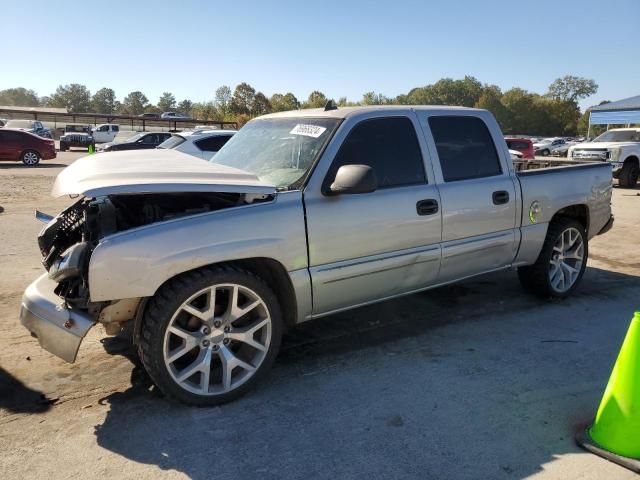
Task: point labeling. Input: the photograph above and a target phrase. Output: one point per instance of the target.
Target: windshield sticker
(307, 130)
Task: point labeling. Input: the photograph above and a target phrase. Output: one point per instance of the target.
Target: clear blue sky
(343, 48)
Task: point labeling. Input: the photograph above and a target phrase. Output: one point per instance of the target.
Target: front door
(366, 247)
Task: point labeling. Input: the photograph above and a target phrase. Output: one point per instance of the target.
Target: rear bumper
(59, 330)
(607, 226)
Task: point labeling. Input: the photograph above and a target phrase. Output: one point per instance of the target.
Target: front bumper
(607, 226)
(59, 330)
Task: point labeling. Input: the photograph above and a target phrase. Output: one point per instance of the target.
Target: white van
(105, 132)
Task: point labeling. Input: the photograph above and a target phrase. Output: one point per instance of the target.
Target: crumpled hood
(152, 171)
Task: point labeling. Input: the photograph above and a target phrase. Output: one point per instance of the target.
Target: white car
(620, 147)
(174, 115)
(550, 146)
(199, 143)
(105, 132)
(515, 154)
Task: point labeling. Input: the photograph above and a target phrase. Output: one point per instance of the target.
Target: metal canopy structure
(622, 112)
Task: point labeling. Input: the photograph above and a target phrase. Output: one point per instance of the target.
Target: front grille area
(59, 235)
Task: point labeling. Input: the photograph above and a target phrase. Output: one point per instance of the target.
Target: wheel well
(577, 212)
(276, 276)
(30, 150)
(271, 271)
(631, 159)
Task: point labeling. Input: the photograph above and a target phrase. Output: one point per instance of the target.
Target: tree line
(556, 112)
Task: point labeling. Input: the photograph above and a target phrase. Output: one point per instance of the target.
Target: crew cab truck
(301, 215)
(620, 147)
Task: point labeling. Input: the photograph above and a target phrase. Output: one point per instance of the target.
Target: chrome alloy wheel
(217, 339)
(566, 260)
(30, 158)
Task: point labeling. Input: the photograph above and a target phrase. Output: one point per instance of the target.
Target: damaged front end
(57, 307)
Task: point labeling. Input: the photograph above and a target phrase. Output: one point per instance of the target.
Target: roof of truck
(345, 112)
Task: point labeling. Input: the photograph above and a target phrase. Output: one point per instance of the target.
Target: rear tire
(629, 174)
(30, 158)
(211, 335)
(561, 263)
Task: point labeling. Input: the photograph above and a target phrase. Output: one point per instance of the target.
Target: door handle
(427, 207)
(501, 197)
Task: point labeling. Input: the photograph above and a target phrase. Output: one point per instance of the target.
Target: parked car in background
(149, 115)
(2, 122)
(174, 116)
(25, 146)
(620, 147)
(211, 261)
(105, 132)
(140, 141)
(548, 146)
(515, 154)
(522, 145)
(77, 136)
(32, 126)
(199, 143)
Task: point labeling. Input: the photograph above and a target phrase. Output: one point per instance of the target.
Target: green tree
(185, 107)
(373, 98)
(206, 111)
(74, 97)
(316, 99)
(167, 102)
(491, 99)
(260, 104)
(570, 88)
(104, 101)
(446, 91)
(222, 101)
(19, 97)
(135, 103)
(242, 100)
(282, 103)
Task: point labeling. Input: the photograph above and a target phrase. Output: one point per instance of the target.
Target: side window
(389, 146)
(212, 144)
(465, 148)
(115, 128)
(103, 128)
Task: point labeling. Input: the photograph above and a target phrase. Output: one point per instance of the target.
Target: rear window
(172, 142)
(465, 148)
(517, 145)
(212, 144)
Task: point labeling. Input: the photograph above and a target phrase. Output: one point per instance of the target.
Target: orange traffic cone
(615, 433)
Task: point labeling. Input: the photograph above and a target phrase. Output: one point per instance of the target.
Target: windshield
(619, 136)
(137, 136)
(172, 142)
(279, 151)
(18, 124)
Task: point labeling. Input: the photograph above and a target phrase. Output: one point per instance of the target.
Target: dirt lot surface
(476, 380)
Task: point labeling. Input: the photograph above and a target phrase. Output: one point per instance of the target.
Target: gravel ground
(476, 380)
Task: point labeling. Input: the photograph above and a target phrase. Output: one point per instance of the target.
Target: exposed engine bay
(66, 243)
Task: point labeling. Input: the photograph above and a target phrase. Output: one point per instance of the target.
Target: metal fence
(135, 122)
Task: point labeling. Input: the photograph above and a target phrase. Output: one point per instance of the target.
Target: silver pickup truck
(303, 214)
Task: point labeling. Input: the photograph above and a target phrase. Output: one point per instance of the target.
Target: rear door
(10, 145)
(479, 200)
(366, 247)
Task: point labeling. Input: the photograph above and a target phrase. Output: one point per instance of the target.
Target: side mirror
(352, 179)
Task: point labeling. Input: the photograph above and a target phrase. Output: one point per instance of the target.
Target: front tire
(629, 174)
(545, 153)
(30, 158)
(211, 335)
(561, 263)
